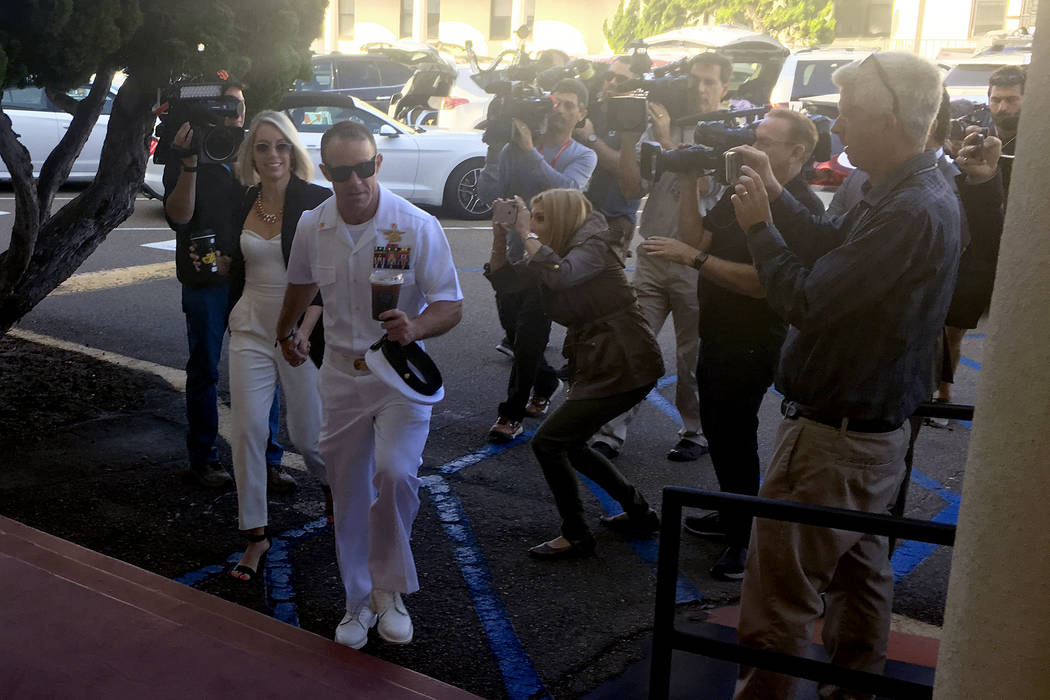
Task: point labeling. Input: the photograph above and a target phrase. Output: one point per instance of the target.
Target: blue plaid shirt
(866, 293)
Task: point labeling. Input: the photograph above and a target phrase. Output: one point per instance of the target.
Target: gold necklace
(265, 215)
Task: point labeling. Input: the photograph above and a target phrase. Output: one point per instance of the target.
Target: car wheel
(150, 193)
(461, 192)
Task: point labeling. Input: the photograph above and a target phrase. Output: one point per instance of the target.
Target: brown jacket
(609, 346)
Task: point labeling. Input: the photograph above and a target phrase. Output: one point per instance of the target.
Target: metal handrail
(666, 638)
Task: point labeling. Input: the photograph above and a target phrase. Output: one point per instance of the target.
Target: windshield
(814, 78)
(969, 74)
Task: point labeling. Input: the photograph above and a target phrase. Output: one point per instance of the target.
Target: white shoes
(393, 623)
(353, 629)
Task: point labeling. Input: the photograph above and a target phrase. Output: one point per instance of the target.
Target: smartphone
(504, 211)
(733, 162)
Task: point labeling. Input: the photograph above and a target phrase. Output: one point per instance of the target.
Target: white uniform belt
(348, 364)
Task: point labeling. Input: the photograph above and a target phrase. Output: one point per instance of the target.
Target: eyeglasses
(885, 82)
(617, 78)
(341, 173)
(282, 147)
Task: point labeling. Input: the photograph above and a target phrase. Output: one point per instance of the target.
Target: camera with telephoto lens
(520, 100)
(206, 108)
(715, 133)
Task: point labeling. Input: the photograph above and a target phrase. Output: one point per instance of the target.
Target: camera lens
(220, 143)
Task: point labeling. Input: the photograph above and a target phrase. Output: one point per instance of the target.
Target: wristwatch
(700, 259)
(531, 237)
(592, 139)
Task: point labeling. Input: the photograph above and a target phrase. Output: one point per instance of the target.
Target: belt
(793, 410)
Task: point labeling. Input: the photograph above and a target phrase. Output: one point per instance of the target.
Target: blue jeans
(205, 310)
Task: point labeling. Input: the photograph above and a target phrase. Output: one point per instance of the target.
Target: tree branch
(55, 170)
(15, 260)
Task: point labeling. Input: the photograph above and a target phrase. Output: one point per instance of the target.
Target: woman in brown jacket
(614, 360)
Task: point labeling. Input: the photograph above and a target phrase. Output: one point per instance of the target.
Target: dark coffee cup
(204, 247)
(386, 288)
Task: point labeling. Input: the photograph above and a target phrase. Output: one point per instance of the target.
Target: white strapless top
(264, 270)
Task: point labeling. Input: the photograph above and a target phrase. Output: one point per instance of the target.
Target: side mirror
(387, 130)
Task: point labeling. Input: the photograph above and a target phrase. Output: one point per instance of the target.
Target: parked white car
(466, 104)
(40, 125)
(438, 167)
(968, 78)
(807, 73)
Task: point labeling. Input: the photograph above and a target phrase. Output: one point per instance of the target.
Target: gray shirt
(866, 293)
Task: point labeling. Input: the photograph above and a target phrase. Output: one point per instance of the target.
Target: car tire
(461, 199)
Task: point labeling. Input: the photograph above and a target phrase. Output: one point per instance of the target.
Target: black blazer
(299, 197)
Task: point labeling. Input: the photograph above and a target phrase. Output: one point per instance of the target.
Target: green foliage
(804, 22)
(61, 43)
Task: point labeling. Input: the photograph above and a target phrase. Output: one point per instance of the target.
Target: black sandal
(246, 573)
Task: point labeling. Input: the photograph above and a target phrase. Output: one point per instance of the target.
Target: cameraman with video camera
(664, 287)
(614, 187)
(530, 164)
(200, 200)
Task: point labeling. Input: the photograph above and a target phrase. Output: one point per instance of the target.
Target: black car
(374, 77)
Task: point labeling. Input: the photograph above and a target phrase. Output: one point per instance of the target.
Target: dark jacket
(609, 345)
(299, 197)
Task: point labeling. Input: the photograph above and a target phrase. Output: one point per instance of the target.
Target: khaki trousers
(790, 565)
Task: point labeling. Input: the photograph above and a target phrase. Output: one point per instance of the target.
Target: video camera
(522, 101)
(205, 107)
(716, 133)
(672, 86)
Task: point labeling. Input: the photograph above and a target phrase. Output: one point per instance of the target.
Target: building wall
(575, 28)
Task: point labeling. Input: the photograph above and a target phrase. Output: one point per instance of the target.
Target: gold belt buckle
(359, 364)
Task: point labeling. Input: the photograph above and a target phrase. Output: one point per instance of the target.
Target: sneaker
(279, 480)
(709, 525)
(210, 474)
(505, 430)
(506, 348)
(730, 566)
(353, 629)
(538, 405)
(686, 451)
(605, 450)
(641, 526)
(392, 620)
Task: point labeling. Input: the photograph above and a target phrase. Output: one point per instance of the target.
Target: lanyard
(554, 161)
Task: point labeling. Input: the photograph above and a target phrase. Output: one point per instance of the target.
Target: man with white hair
(866, 295)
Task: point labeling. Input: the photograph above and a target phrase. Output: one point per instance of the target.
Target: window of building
(346, 19)
(499, 19)
(880, 18)
(988, 15)
(406, 18)
(433, 18)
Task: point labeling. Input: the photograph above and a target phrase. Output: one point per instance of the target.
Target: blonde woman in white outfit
(276, 166)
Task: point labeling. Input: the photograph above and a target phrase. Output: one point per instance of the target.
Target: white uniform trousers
(255, 367)
(666, 288)
(372, 441)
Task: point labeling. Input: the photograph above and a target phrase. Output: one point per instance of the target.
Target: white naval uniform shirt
(323, 253)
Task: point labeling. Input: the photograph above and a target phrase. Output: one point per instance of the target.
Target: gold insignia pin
(393, 235)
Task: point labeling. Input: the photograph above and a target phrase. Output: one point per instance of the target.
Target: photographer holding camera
(740, 335)
(200, 201)
(1005, 97)
(866, 295)
(524, 169)
(664, 287)
(614, 187)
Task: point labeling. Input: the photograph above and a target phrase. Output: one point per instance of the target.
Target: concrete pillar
(996, 641)
(419, 20)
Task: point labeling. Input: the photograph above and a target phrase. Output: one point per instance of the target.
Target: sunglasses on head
(341, 173)
(885, 82)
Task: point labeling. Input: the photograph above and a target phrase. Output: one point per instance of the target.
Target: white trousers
(255, 366)
(372, 441)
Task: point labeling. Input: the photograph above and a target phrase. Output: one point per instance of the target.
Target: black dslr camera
(715, 133)
(205, 108)
(522, 101)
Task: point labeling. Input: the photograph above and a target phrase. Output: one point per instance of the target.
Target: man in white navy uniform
(372, 436)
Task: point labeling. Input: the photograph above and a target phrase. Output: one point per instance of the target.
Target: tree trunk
(24, 231)
(68, 237)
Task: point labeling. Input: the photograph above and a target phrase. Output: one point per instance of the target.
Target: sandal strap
(256, 538)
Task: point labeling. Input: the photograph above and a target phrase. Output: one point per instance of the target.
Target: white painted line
(175, 377)
(161, 245)
(119, 277)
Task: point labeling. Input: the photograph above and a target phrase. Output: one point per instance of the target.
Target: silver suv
(807, 72)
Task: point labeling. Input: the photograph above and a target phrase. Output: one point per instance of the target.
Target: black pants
(561, 447)
(732, 380)
(528, 329)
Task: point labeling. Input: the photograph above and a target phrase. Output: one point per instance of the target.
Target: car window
(322, 80)
(81, 92)
(26, 98)
(814, 78)
(358, 74)
(317, 119)
(394, 73)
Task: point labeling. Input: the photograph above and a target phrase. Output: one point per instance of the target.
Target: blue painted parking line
(972, 364)
(910, 554)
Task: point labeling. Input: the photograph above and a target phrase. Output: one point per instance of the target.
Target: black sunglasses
(341, 173)
(885, 82)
